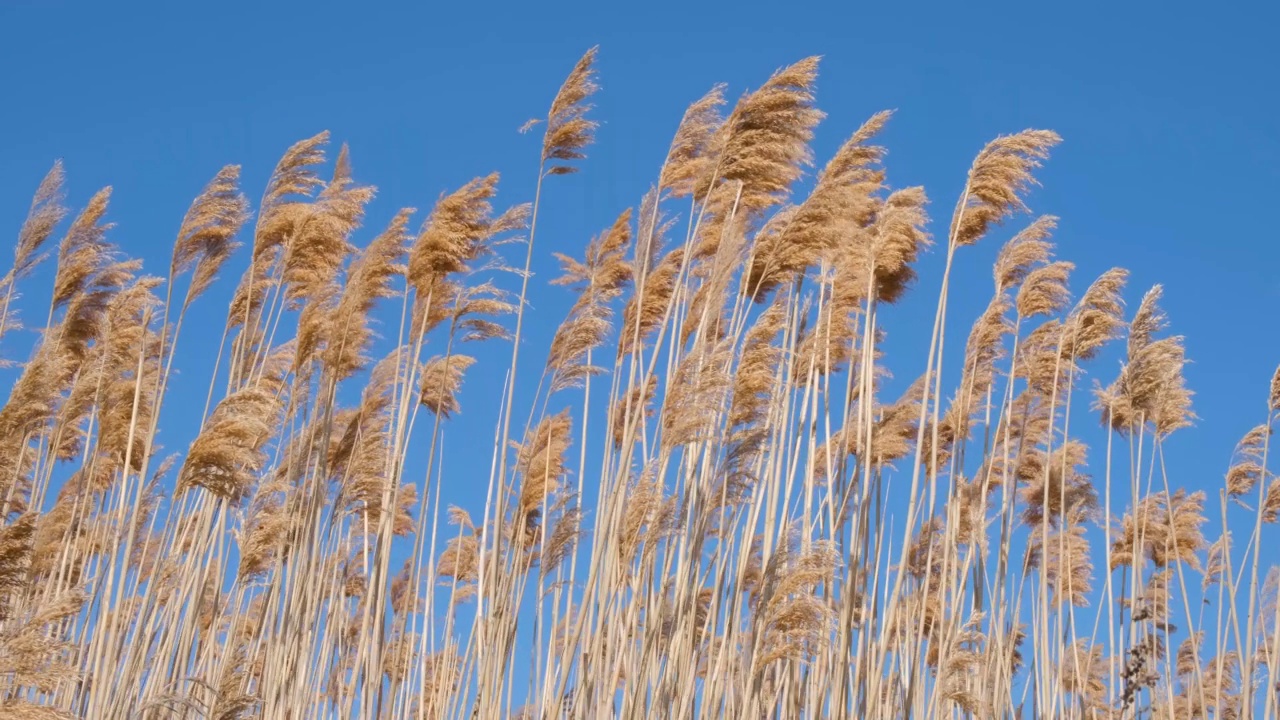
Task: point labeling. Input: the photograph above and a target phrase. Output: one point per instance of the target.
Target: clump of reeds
(738, 512)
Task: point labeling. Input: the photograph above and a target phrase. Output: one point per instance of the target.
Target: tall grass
(705, 502)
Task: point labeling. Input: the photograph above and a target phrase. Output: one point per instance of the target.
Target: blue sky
(1169, 167)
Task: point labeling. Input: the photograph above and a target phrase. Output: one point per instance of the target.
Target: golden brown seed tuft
(999, 176)
(569, 131)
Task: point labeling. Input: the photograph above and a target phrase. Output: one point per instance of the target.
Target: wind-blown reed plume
(1126, 548)
(1098, 318)
(692, 151)
(794, 619)
(897, 238)
(1044, 290)
(1029, 249)
(569, 131)
(206, 238)
(647, 306)
(986, 345)
(459, 563)
(696, 393)
(459, 231)
(84, 250)
(36, 653)
(1274, 397)
(279, 214)
(754, 377)
(1151, 387)
(1218, 560)
(600, 280)
(767, 137)
(268, 528)
(441, 380)
(762, 148)
(1247, 471)
(1270, 510)
(368, 280)
(1171, 526)
(361, 464)
(44, 215)
(541, 465)
(319, 243)
(1062, 490)
(474, 310)
(638, 402)
(648, 519)
(752, 395)
(1067, 564)
(894, 432)
(999, 176)
(130, 359)
(230, 450)
(839, 206)
(1083, 673)
(708, 304)
(32, 403)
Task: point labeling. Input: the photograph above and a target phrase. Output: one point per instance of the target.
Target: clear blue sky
(1170, 165)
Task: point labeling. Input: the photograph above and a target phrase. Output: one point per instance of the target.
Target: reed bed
(703, 502)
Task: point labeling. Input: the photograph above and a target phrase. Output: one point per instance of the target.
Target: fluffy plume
(459, 563)
(281, 210)
(541, 463)
(648, 517)
(638, 401)
(130, 361)
(319, 243)
(206, 238)
(1025, 251)
(897, 238)
(368, 280)
(441, 380)
(458, 232)
(569, 131)
(1151, 386)
(600, 279)
(763, 148)
(1218, 562)
(1067, 563)
(227, 455)
(692, 149)
(1061, 490)
(695, 394)
(1271, 502)
(767, 137)
(44, 215)
(840, 204)
(1098, 318)
(1044, 290)
(1246, 471)
(999, 176)
(1164, 527)
(1084, 674)
(646, 308)
(1274, 397)
(753, 389)
(792, 615)
(84, 250)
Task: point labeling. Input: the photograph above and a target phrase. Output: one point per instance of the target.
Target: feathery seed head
(1000, 175)
(569, 131)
